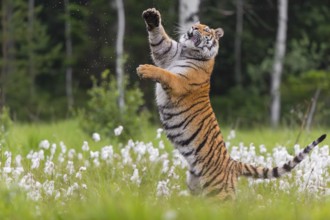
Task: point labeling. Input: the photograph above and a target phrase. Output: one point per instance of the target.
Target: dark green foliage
(41, 96)
(103, 115)
(5, 124)
(241, 107)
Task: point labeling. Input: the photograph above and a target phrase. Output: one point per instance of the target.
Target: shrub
(5, 124)
(102, 113)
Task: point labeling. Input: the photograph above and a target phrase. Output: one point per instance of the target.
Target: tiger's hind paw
(152, 18)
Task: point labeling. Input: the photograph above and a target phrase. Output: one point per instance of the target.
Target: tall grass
(112, 193)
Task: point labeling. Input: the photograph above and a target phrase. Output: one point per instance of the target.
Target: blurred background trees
(51, 50)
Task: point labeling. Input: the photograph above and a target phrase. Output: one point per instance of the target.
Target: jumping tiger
(182, 71)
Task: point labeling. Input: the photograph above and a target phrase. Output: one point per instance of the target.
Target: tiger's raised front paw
(152, 18)
(145, 71)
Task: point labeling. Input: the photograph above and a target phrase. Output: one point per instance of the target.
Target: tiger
(182, 74)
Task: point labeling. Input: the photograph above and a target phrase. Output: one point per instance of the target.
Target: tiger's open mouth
(195, 37)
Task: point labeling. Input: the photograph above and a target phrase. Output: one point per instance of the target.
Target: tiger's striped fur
(182, 72)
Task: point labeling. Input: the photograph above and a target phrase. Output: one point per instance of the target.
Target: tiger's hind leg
(222, 186)
(193, 184)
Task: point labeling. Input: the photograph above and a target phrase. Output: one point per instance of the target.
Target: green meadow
(84, 184)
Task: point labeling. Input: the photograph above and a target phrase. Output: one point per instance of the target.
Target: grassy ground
(112, 193)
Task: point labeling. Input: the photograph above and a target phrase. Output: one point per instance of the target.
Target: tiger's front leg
(167, 79)
(163, 48)
(152, 18)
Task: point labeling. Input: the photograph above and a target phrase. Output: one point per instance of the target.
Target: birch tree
(277, 69)
(188, 13)
(120, 53)
(68, 51)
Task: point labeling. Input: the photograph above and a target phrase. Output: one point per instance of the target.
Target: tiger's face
(202, 38)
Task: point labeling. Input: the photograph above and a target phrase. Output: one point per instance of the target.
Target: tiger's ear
(219, 33)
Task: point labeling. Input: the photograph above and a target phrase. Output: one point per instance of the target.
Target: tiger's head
(202, 41)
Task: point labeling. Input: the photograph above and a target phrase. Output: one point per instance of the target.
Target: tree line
(51, 49)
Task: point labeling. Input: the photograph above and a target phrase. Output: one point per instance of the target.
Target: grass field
(55, 171)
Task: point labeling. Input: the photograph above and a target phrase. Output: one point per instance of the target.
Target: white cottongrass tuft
(59, 172)
(96, 137)
(159, 133)
(85, 146)
(135, 178)
(44, 144)
(118, 130)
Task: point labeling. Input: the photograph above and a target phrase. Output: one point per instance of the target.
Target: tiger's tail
(266, 173)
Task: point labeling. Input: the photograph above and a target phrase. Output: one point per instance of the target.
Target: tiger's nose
(190, 32)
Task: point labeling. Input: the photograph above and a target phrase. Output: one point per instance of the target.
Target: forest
(55, 52)
(80, 136)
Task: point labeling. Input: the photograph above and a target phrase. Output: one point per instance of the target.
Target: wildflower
(170, 215)
(96, 162)
(57, 194)
(7, 168)
(80, 156)
(178, 159)
(162, 188)
(161, 144)
(70, 167)
(63, 147)
(85, 146)
(60, 158)
(232, 135)
(48, 187)
(84, 186)
(153, 153)
(184, 193)
(165, 166)
(135, 177)
(82, 169)
(262, 149)
(94, 154)
(49, 167)
(118, 130)
(65, 178)
(44, 144)
(172, 173)
(52, 150)
(78, 174)
(71, 189)
(35, 161)
(125, 152)
(71, 153)
(159, 133)
(107, 153)
(96, 137)
(34, 194)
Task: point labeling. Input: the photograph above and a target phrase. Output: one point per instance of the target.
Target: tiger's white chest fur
(169, 118)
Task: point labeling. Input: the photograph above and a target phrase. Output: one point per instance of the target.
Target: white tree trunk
(278, 62)
(68, 48)
(238, 41)
(120, 53)
(188, 13)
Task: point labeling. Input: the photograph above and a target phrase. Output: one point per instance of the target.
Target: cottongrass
(59, 173)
